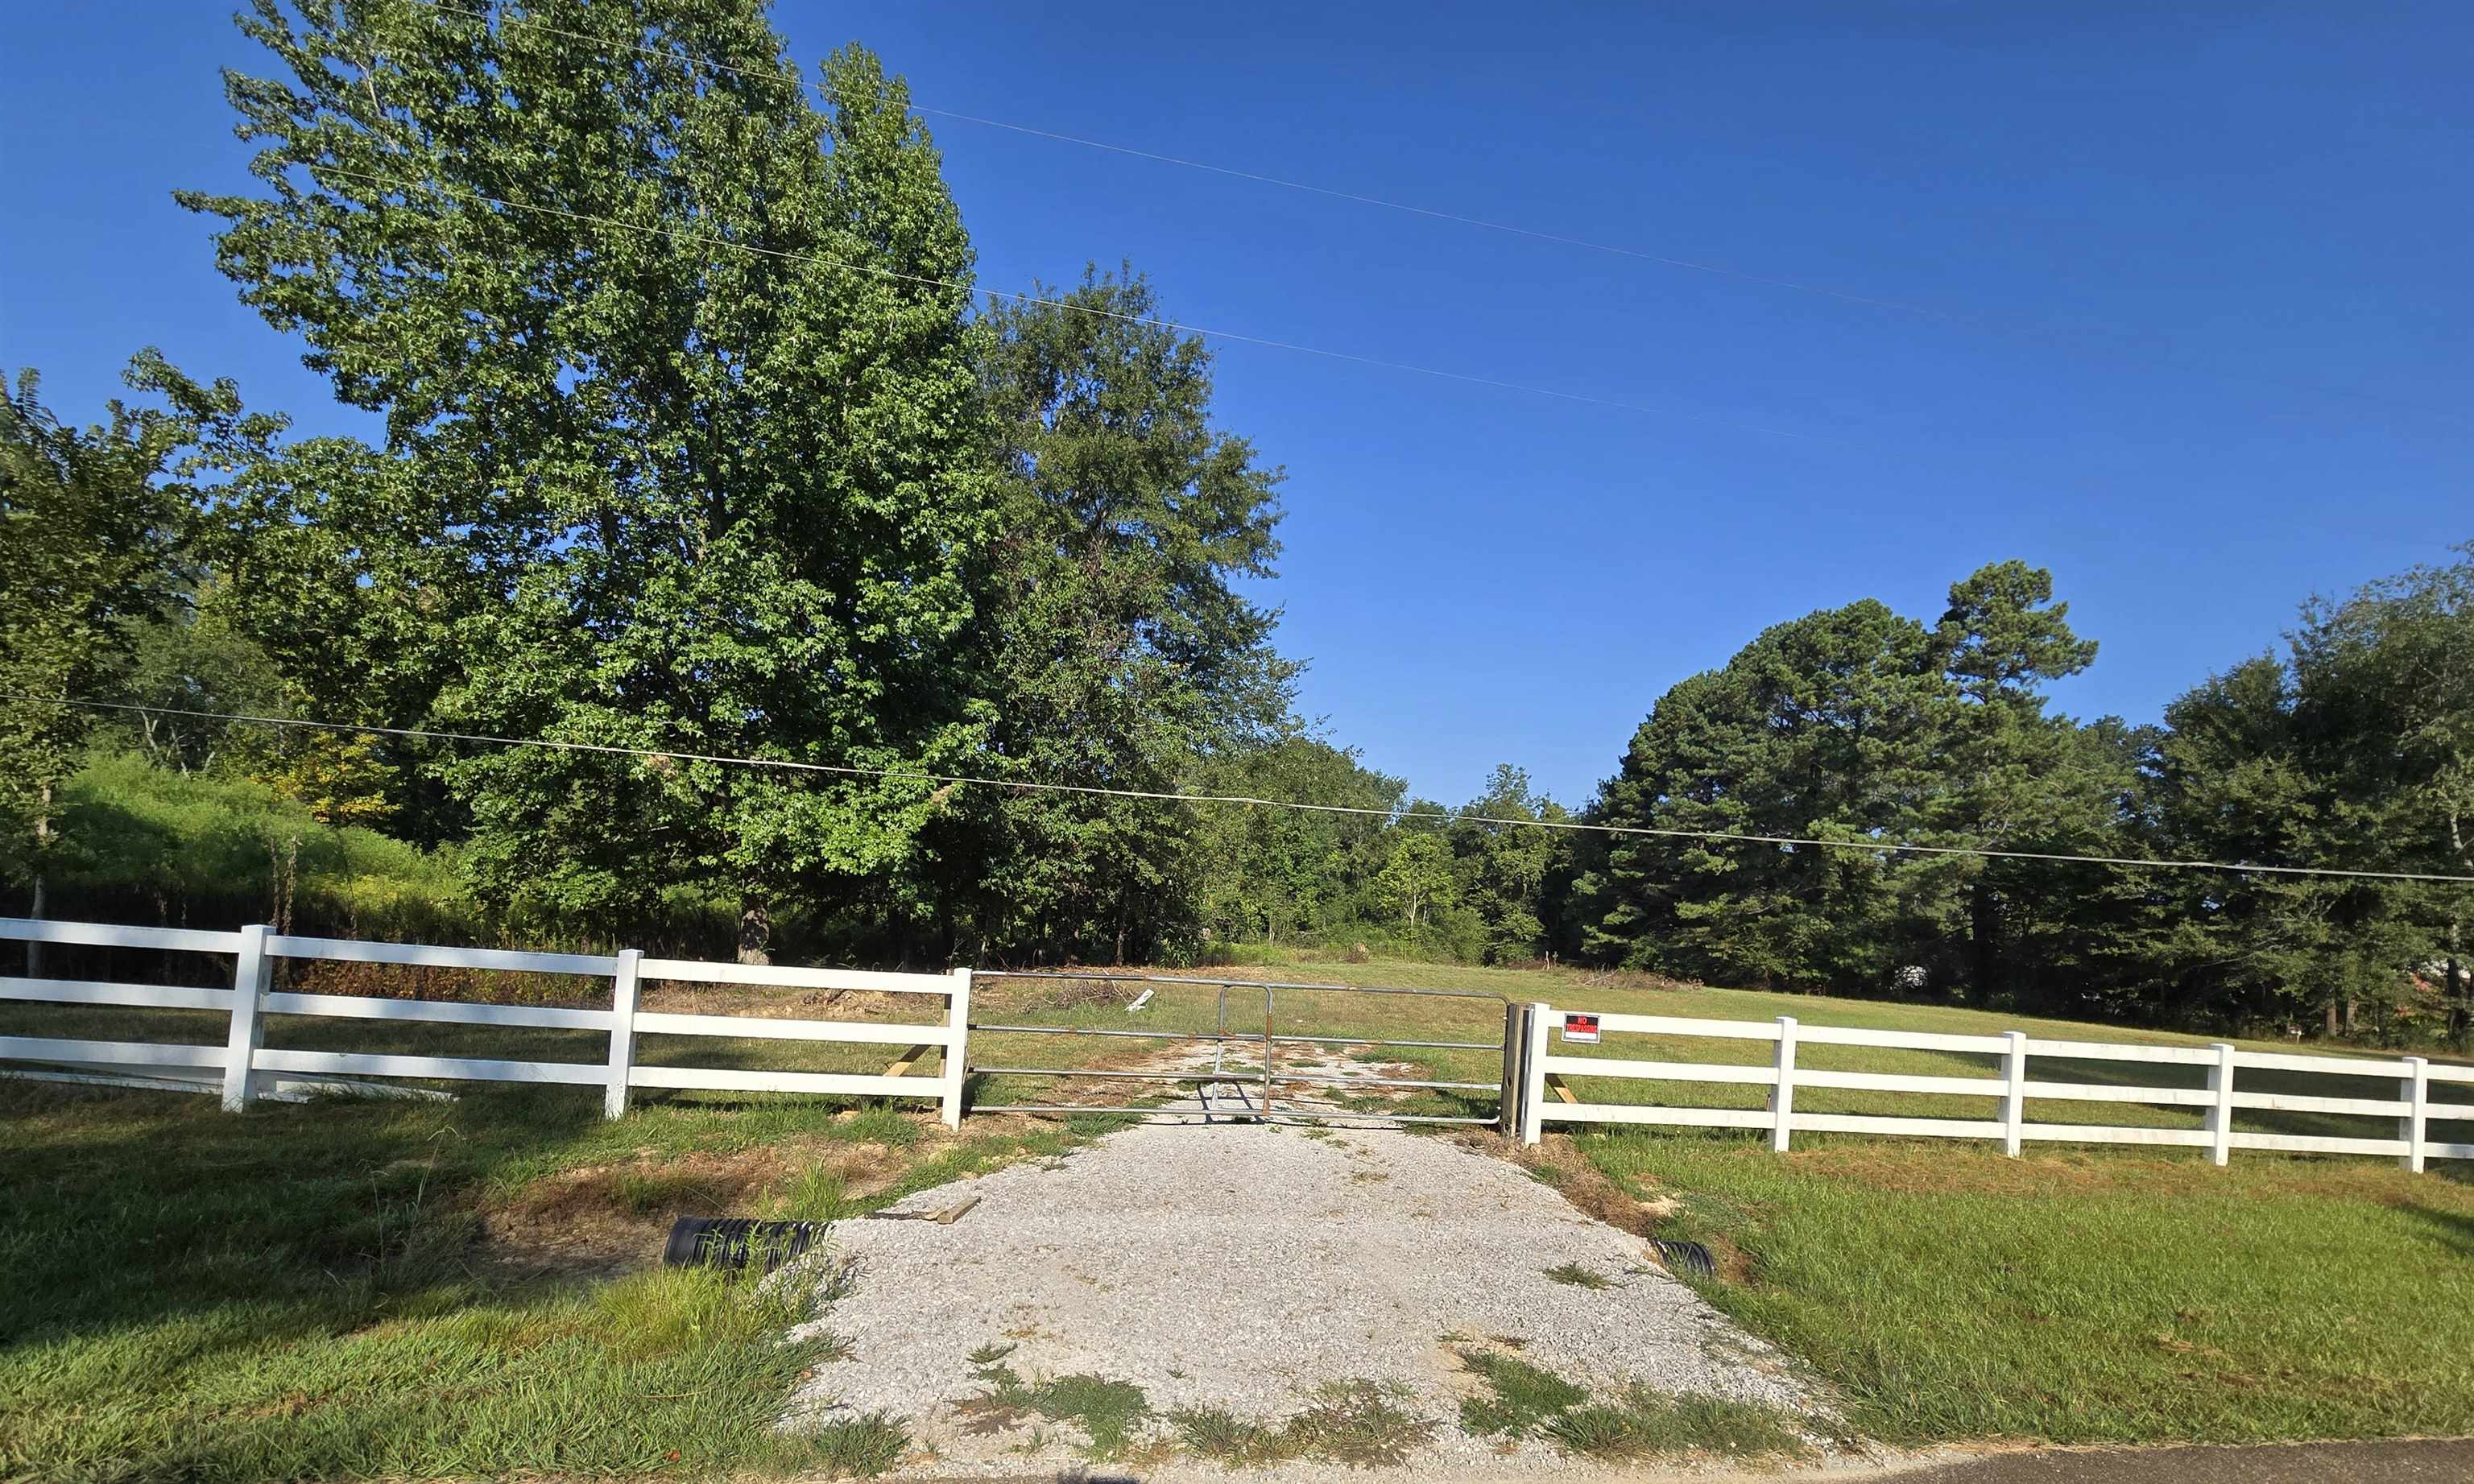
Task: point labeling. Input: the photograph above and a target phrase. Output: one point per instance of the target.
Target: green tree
(2228, 782)
(1503, 868)
(1277, 873)
(682, 422)
(2385, 711)
(92, 527)
(1124, 651)
(188, 662)
(2006, 773)
(2353, 752)
(1858, 727)
(1418, 884)
(1822, 728)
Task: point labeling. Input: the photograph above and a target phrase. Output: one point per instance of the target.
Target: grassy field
(1947, 1292)
(382, 1288)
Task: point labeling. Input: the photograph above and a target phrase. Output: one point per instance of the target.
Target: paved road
(2295, 1463)
(2284, 1463)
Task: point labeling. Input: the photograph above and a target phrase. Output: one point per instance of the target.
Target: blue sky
(2201, 337)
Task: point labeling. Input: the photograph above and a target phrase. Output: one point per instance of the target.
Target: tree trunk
(2332, 1018)
(1984, 935)
(755, 930)
(2456, 994)
(42, 840)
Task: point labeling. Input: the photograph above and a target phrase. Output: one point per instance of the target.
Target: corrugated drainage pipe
(731, 1241)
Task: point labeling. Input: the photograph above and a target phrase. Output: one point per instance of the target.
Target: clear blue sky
(2227, 250)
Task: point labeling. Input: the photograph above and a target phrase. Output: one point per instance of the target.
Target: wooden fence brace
(1532, 1084)
(623, 987)
(252, 972)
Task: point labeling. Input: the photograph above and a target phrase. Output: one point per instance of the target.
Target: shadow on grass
(2455, 1227)
(143, 1209)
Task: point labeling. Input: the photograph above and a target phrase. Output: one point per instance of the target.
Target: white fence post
(252, 970)
(2221, 1114)
(2416, 1092)
(623, 1030)
(1533, 1086)
(1782, 1098)
(958, 1037)
(2014, 1094)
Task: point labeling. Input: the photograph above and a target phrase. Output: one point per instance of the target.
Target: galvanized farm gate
(1256, 1094)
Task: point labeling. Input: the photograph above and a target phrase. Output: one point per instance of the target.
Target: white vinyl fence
(250, 1069)
(2010, 1088)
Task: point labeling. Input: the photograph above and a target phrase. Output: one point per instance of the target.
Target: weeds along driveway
(1282, 1295)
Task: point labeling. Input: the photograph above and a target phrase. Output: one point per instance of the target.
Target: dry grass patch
(606, 1219)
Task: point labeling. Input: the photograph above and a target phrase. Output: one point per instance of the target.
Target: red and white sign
(1581, 1029)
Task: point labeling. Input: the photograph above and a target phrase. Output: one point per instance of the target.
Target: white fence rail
(250, 1069)
(2011, 1086)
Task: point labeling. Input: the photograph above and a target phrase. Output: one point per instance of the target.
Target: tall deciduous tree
(684, 446)
(1273, 873)
(1417, 882)
(1504, 867)
(1123, 651)
(92, 528)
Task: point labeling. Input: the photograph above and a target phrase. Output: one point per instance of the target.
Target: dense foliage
(696, 445)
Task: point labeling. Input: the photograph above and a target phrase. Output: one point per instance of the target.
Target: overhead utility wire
(706, 239)
(910, 775)
(1970, 322)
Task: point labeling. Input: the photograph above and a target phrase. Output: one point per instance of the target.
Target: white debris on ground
(1239, 1267)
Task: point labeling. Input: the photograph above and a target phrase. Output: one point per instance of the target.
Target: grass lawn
(2075, 1294)
(366, 1288)
(383, 1288)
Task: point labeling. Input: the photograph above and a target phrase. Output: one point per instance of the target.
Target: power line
(409, 188)
(1970, 321)
(797, 78)
(910, 775)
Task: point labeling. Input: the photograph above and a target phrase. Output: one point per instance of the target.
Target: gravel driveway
(1237, 1267)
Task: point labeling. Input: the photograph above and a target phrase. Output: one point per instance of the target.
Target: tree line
(696, 444)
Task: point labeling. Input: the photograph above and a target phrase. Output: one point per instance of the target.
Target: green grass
(1947, 1291)
(301, 1291)
(1359, 1422)
(1648, 1424)
(1524, 1401)
(305, 1291)
(1577, 1277)
(1109, 1413)
(1522, 1398)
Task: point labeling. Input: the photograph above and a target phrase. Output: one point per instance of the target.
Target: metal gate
(1249, 1094)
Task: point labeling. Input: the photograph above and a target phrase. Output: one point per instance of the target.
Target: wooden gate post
(1508, 1120)
(1533, 1072)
